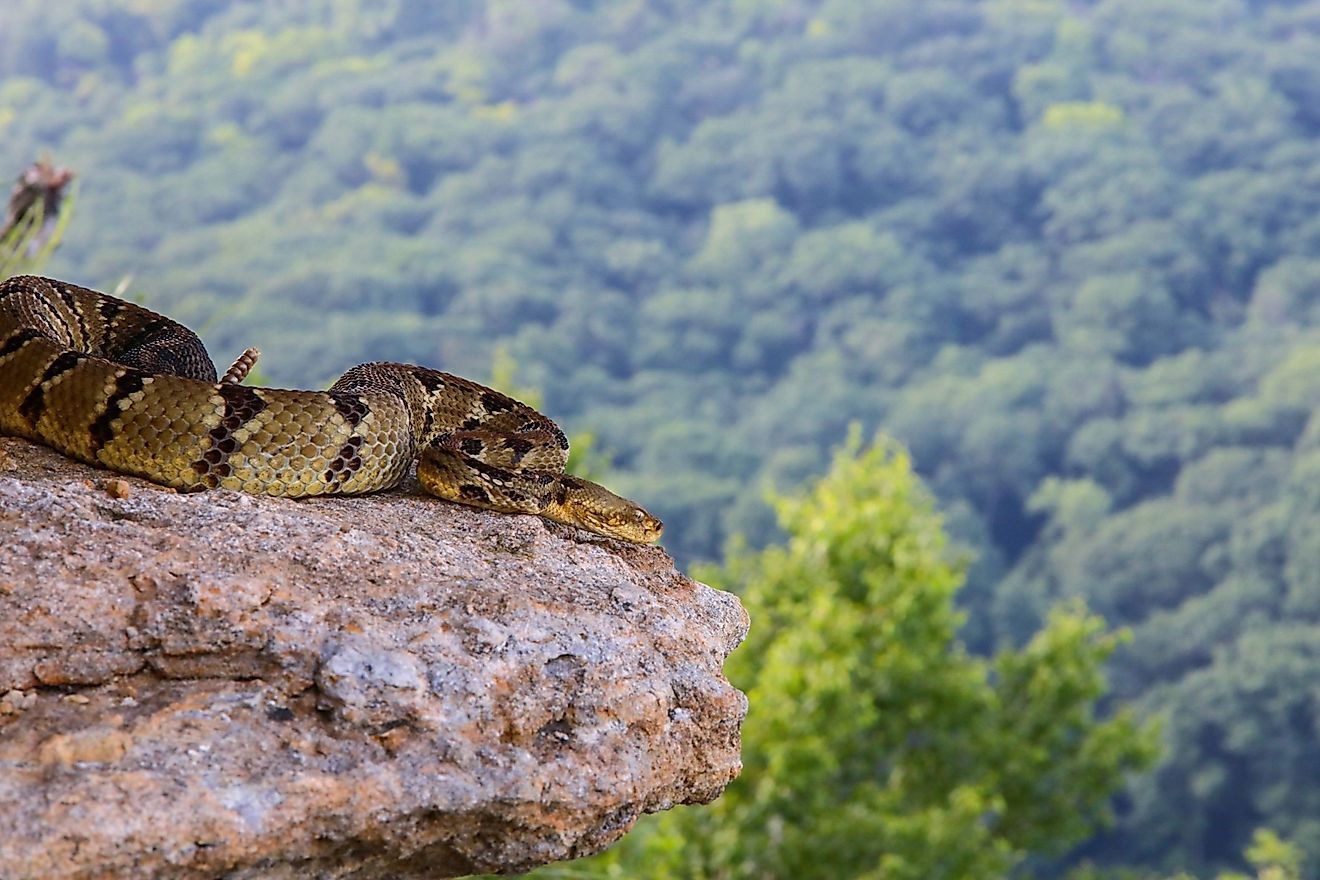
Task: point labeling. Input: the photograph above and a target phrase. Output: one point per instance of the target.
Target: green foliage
(26, 247)
(1270, 857)
(874, 745)
(1081, 114)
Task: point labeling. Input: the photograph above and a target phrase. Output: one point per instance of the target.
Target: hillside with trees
(1067, 253)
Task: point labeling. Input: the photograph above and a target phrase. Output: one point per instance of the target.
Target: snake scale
(114, 384)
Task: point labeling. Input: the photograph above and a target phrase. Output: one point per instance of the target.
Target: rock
(214, 684)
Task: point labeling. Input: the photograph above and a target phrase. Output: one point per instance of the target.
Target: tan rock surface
(384, 687)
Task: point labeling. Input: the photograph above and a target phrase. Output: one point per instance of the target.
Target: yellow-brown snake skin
(111, 383)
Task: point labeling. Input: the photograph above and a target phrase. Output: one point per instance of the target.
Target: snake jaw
(632, 524)
(597, 509)
(646, 530)
(636, 525)
(640, 527)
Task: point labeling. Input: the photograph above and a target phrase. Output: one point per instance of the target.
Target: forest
(1065, 252)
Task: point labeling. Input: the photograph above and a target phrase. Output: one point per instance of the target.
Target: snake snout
(649, 527)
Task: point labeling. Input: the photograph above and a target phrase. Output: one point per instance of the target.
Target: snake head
(596, 508)
(640, 527)
(627, 523)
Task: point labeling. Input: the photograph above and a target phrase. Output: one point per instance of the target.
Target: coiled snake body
(111, 383)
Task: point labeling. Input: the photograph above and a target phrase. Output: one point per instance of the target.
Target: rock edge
(390, 686)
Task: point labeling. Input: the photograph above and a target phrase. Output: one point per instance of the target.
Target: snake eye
(639, 514)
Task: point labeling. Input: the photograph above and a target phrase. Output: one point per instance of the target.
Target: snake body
(113, 384)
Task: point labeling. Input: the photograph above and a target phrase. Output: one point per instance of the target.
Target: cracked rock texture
(216, 685)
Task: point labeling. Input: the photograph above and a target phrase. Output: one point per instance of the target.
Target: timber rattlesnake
(111, 383)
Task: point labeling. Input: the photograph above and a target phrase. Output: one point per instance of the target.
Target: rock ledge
(384, 687)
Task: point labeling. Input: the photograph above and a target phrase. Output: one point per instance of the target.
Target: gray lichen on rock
(221, 685)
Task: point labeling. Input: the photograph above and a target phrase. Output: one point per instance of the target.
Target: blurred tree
(1270, 856)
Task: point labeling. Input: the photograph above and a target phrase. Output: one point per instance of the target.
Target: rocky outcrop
(219, 685)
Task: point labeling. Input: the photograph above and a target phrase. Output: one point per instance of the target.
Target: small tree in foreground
(875, 747)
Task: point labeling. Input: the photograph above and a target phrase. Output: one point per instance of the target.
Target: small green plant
(28, 244)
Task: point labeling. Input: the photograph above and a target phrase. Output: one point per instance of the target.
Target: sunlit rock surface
(382, 687)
